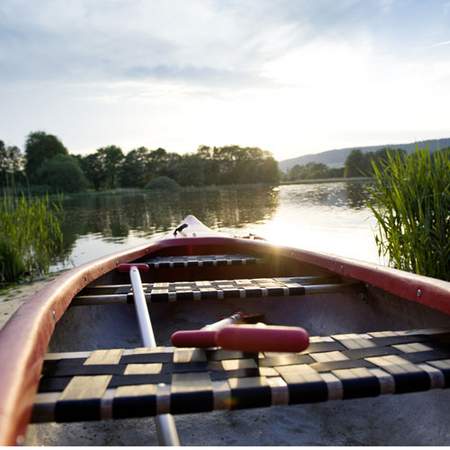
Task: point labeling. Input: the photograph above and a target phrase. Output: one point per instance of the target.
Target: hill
(337, 157)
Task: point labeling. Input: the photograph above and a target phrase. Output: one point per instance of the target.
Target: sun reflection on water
(330, 218)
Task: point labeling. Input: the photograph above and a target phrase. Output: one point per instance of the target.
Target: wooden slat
(104, 357)
(81, 388)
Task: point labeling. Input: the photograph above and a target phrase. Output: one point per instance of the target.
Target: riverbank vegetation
(357, 165)
(47, 166)
(30, 236)
(410, 199)
(313, 171)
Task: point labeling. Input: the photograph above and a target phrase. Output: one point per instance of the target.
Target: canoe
(77, 366)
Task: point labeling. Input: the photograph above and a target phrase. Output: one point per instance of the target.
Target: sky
(290, 76)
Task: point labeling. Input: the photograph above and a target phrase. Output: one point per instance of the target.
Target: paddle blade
(194, 338)
(125, 267)
(248, 338)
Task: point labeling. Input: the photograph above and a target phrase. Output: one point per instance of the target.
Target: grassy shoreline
(209, 188)
(30, 236)
(410, 199)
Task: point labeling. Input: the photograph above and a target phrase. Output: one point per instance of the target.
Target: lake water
(328, 217)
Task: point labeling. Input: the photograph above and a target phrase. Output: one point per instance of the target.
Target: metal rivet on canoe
(419, 292)
(54, 315)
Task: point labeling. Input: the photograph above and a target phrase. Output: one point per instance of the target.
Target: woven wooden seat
(122, 383)
(166, 262)
(210, 290)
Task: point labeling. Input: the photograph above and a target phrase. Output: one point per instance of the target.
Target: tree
(134, 170)
(336, 172)
(296, 172)
(205, 152)
(111, 158)
(103, 167)
(94, 171)
(170, 167)
(3, 163)
(190, 170)
(268, 171)
(40, 147)
(361, 164)
(160, 163)
(11, 163)
(233, 164)
(312, 171)
(62, 174)
(354, 164)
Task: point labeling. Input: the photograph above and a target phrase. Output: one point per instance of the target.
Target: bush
(30, 236)
(63, 174)
(12, 265)
(411, 202)
(162, 184)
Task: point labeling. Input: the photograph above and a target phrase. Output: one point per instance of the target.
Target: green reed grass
(30, 236)
(411, 202)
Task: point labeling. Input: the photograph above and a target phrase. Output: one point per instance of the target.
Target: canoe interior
(353, 307)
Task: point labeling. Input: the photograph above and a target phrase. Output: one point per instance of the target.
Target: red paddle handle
(246, 338)
(194, 338)
(125, 267)
(256, 338)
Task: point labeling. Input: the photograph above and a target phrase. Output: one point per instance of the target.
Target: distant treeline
(47, 165)
(357, 164)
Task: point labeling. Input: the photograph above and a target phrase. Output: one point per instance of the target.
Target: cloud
(193, 74)
(208, 41)
(288, 75)
(440, 44)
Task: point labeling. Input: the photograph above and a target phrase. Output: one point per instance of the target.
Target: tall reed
(30, 236)
(411, 202)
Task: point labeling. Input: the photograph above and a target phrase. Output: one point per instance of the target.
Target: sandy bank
(12, 297)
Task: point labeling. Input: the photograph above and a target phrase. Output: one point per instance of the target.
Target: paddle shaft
(165, 423)
(235, 318)
(206, 336)
(145, 325)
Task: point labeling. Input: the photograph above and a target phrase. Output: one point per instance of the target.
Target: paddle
(206, 336)
(246, 338)
(262, 338)
(165, 423)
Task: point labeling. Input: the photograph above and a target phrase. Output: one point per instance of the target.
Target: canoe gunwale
(25, 337)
